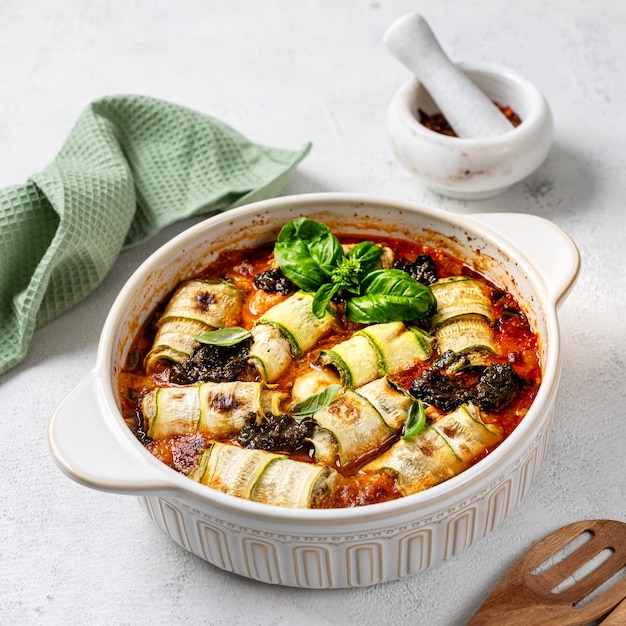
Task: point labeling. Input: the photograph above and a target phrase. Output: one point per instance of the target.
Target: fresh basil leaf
(415, 420)
(394, 282)
(380, 309)
(225, 336)
(323, 246)
(307, 252)
(297, 265)
(316, 402)
(368, 254)
(391, 295)
(322, 297)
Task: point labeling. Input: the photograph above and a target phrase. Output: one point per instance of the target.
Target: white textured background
(283, 73)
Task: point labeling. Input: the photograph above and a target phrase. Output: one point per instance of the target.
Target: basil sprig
(415, 420)
(315, 402)
(391, 295)
(225, 336)
(307, 252)
(311, 257)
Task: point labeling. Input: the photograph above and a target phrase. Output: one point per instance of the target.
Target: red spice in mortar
(438, 123)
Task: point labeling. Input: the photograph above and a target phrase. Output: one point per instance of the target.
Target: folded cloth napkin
(131, 166)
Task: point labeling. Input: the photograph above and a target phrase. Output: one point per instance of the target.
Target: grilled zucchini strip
(271, 402)
(270, 352)
(465, 334)
(286, 330)
(217, 409)
(439, 451)
(171, 411)
(325, 444)
(400, 346)
(231, 469)
(226, 407)
(466, 433)
(295, 319)
(290, 483)
(197, 306)
(356, 426)
(463, 319)
(460, 295)
(391, 402)
(356, 360)
(175, 341)
(377, 350)
(419, 463)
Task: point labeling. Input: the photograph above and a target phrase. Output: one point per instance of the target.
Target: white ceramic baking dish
(324, 548)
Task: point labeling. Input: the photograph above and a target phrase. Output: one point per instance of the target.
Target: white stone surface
(283, 73)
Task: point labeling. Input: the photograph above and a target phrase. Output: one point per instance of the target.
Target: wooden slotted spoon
(530, 594)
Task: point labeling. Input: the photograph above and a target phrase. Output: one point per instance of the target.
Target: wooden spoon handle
(617, 617)
(525, 594)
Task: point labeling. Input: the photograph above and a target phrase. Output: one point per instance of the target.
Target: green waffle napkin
(131, 166)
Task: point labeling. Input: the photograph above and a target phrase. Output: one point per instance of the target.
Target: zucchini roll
(231, 469)
(466, 432)
(171, 411)
(378, 350)
(419, 463)
(464, 316)
(216, 409)
(389, 399)
(439, 451)
(359, 422)
(293, 330)
(290, 483)
(197, 306)
(264, 476)
(270, 352)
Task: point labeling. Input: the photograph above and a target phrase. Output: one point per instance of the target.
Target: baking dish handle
(549, 248)
(90, 452)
